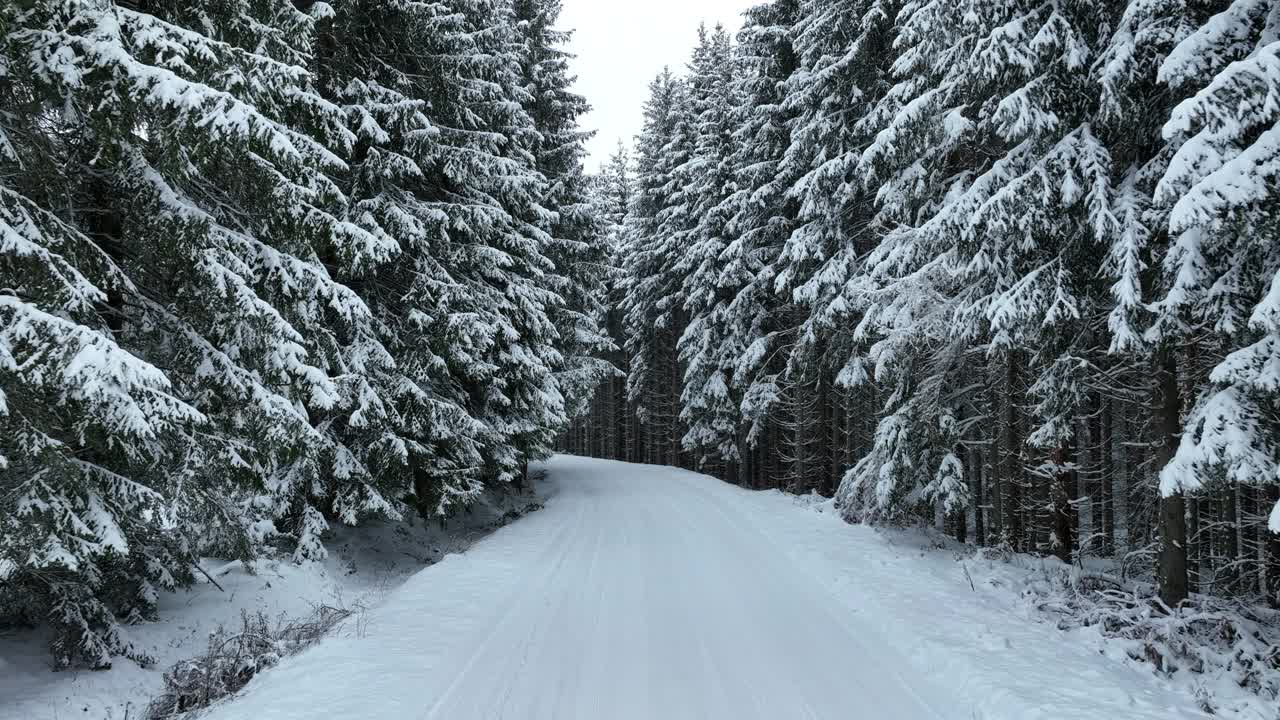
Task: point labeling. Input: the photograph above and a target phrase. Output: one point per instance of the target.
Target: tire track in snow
(648, 593)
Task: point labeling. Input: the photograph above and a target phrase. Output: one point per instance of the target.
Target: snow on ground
(363, 566)
(644, 592)
(1019, 586)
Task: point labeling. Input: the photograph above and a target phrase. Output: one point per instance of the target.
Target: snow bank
(363, 565)
(993, 653)
(1224, 657)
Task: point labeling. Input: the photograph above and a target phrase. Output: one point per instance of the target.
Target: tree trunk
(960, 518)
(1061, 508)
(1107, 498)
(979, 497)
(1228, 542)
(827, 433)
(1193, 545)
(996, 482)
(1271, 564)
(1172, 571)
(1011, 495)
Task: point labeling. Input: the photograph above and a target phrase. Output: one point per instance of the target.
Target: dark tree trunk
(1172, 571)
(1011, 489)
(996, 481)
(1193, 545)
(1107, 491)
(636, 452)
(774, 479)
(1097, 439)
(979, 497)
(106, 227)
(1061, 508)
(1271, 557)
(1228, 542)
(826, 431)
(960, 517)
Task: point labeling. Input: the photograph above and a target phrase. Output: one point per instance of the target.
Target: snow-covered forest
(267, 266)
(1011, 266)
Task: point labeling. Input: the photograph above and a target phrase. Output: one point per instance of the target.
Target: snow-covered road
(643, 592)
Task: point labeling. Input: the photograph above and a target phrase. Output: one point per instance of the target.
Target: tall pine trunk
(1271, 557)
(979, 496)
(1011, 483)
(1061, 508)
(1107, 498)
(1172, 570)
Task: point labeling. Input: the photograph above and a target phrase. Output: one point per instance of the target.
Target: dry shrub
(234, 656)
(1207, 636)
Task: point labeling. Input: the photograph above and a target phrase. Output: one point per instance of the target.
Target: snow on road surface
(655, 593)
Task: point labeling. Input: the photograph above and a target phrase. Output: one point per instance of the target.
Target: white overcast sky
(622, 45)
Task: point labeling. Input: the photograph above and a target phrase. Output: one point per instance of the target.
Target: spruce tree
(194, 156)
(615, 194)
(652, 286)
(710, 410)
(501, 307)
(761, 216)
(1222, 270)
(424, 437)
(576, 246)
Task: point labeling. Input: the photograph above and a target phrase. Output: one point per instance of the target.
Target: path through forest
(647, 592)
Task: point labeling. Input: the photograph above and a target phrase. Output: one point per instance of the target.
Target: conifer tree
(710, 409)
(576, 247)
(652, 287)
(615, 190)
(1131, 111)
(1222, 270)
(425, 435)
(493, 319)
(194, 155)
(761, 216)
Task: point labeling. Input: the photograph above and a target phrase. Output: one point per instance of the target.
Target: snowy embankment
(363, 565)
(643, 592)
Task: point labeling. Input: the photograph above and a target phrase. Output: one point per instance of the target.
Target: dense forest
(1007, 266)
(270, 265)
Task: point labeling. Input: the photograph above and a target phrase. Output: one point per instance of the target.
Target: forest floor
(364, 565)
(648, 592)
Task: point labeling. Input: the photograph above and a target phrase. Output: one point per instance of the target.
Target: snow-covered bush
(1208, 640)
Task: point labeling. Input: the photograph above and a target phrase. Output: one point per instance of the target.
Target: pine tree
(710, 409)
(194, 156)
(498, 236)
(652, 289)
(761, 218)
(424, 435)
(576, 247)
(843, 51)
(614, 200)
(265, 265)
(1132, 106)
(1222, 269)
(1001, 242)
